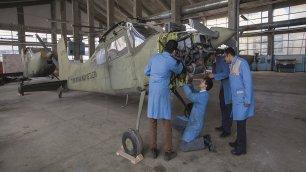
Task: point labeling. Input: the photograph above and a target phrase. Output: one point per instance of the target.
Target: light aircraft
(117, 65)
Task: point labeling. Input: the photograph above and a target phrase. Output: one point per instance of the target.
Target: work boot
(207, 140)
(238, 152)
(219, 128)
(233, 144)
(208, 143)
(169, 155)
(154, 153)
(224, 134)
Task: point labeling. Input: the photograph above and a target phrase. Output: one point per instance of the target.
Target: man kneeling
(192, 126)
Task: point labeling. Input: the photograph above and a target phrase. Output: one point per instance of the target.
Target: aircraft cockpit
(138, 33)
(120, 40)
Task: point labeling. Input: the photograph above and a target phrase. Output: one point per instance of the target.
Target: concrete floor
(82, 131)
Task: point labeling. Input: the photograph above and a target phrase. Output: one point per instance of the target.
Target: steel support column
(176, 11)
(137, 8)
(110, 13)
(233, 20)
(63, 20)
(91, 36)
(76, 13)
(271, 36)
(21, 30)
(53, 25)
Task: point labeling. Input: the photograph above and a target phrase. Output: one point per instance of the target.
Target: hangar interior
(82, 131)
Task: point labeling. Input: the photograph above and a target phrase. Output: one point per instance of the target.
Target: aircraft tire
(20, 91)
(132, 142)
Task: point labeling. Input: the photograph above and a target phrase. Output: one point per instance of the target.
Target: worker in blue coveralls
(242, 97)
(159, 70)
(221, 73)
(194, 124)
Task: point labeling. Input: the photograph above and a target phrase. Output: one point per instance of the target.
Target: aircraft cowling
(224, 35)
(37, 64)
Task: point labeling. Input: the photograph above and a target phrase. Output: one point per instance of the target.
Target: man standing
(159, 69)
(221, 73)
(242, 97)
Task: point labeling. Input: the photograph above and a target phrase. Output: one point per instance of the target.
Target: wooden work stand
(134, 160)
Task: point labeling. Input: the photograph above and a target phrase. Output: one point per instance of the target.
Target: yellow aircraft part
(164, 38)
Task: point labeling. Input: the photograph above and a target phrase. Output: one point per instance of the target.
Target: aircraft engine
(194, 52)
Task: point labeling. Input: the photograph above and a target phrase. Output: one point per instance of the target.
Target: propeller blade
(50, 54)
(55, 62)
(220, 35)
(42, 43)
(195, 23)
(224, 35)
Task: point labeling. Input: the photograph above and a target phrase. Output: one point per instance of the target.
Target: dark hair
(171, 45)
(209, 83)
(230, 50)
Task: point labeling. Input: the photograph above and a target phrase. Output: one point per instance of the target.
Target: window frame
(93, 59)
(113, 40)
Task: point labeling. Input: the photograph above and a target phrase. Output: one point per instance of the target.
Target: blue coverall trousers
(226, 110)
(196, 144)
(241, 135)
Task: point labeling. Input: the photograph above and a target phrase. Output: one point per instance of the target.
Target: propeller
(219, 35)
(50, 54)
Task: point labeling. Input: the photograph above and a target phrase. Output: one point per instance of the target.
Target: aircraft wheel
(60, 92)
(132, 142)
(20, 90)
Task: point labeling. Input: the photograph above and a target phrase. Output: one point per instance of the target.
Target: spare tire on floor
(132, 142)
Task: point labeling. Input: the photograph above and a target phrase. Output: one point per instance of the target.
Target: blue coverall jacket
(159, 69)
(221, 73)
(242, 89)
(196, 119)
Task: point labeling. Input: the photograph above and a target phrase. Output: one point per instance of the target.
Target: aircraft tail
(63, 61)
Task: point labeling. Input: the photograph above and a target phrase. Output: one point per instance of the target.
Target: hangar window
(252, 45)
(8, 35)
(218, 22)
(117, 48)
(253, 18)
(288, 13)
(289, 43)
(97, 41)
(31, 37)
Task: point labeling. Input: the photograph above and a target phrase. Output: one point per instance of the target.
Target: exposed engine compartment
(194, 52)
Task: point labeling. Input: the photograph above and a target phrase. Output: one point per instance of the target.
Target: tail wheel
(20, 91)
(132, 142)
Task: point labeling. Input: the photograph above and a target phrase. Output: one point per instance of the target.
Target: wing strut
(140, 105)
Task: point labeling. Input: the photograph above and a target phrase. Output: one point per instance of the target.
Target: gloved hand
(211, 75)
